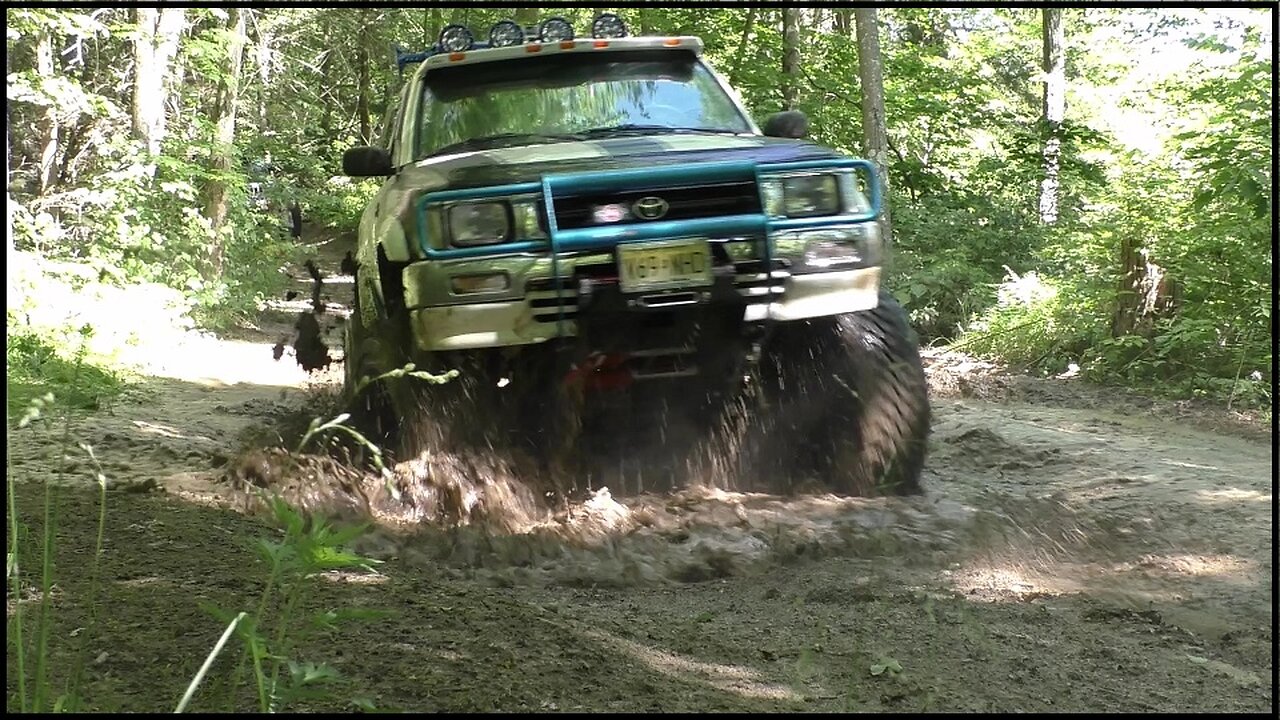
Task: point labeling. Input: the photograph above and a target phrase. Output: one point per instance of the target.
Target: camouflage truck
(597, 235)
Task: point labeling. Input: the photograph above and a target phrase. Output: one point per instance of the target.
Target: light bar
(555, 29)
(505, 33)
(456, 38)
(608, 25)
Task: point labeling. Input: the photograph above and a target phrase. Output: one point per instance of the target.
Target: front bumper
(537, 319)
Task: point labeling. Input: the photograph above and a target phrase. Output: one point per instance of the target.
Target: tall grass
(38, 699)
(270, 633)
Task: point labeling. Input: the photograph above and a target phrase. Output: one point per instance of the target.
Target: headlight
(827, 253)
(810, 195)
(802, 196)
(482, 223)
(855, 199)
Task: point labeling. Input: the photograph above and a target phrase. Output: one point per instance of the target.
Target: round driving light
(608, 25)
(554, 30)
(505, 33)
(456, 38)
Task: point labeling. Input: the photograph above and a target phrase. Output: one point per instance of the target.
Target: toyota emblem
(650, 208)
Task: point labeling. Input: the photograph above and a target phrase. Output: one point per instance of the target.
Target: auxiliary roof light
(505, 33)
(555, 29)
(456, 38)
(608, 25)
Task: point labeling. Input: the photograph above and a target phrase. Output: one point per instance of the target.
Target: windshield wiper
(501, 139)
(641, 128)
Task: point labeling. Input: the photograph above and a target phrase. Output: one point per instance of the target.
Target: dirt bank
(1077, 549)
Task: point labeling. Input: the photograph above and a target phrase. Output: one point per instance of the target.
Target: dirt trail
(1075, 551)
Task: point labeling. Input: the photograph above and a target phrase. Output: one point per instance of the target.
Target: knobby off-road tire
(847, 402)
(370, 352)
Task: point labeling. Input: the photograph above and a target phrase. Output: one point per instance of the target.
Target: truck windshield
(571, 96)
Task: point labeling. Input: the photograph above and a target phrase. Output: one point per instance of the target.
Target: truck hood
(529, 163)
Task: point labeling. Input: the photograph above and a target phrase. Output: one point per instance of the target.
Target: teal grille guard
(608, 236)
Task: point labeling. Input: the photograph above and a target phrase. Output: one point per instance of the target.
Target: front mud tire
(370, 353)
(847, 402)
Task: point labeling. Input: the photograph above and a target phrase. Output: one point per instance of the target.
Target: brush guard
(610, 236)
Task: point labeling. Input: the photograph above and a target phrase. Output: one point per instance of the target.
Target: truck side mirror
(366, 161)
(787, 124)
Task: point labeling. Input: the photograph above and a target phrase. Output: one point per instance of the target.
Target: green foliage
(338, 204)
(36, 367)
(1198, 212)
(308, 546)
(130, 217)
(1037, 323)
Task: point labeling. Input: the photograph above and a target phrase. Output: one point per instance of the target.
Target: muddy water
(1059, 493)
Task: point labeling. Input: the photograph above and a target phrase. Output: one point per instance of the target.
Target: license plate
(653, 266)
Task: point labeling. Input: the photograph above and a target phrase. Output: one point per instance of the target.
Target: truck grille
(749, 280)
(683, 203)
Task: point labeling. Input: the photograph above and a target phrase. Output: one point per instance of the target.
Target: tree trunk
(1055, 105)
(875, 143)
(153, 49)
(49, 122)
(326, 84)
(647, 25)
(263, 59)
(747, 27)
(1146, 292)
(844, 20)
(168, 32)
(144, 51)
(9, 246)
(790, 57)
(362, 69)
(222, 160)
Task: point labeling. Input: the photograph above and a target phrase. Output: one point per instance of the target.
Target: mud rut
(1072, 551)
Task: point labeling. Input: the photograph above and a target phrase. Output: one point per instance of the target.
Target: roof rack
(405, 58)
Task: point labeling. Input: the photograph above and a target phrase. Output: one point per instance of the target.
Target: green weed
(272, 631)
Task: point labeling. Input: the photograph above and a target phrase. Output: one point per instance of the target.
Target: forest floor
(1076, 549)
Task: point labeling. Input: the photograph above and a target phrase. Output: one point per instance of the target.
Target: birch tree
(1054, 111)
(154, 46)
